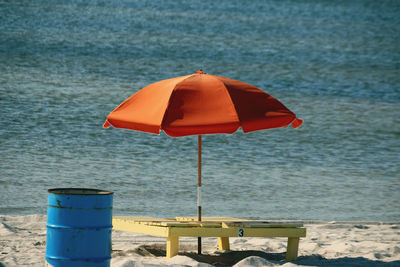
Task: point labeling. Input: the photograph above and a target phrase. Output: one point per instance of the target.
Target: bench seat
(221, 227)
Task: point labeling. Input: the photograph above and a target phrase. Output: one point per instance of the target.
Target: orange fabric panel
(200, 104)
(145, 110)
(256, 109)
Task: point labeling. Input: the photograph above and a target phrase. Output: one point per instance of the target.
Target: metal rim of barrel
(79, 191)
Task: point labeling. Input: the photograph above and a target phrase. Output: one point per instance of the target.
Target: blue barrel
(79, 224)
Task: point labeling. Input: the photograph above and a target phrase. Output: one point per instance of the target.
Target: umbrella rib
(230, 99)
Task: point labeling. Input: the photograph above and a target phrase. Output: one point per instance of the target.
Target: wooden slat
(210, 219)
(181, 224)
(191, 224)
(234, 232)
(143, 219)
(131, 226)
(261, 224)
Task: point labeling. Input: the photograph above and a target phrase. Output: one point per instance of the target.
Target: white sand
(23, 242)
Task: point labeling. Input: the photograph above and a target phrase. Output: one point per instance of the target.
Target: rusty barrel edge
(79, 224)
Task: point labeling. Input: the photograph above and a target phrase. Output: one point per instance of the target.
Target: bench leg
(292, 248)
(223, 243)
(172, 246)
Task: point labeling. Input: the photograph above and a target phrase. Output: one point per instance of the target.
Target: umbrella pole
(199, 190)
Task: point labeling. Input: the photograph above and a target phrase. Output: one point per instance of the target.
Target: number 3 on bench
(241, 233)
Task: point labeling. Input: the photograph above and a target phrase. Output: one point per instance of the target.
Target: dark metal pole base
(199, 245)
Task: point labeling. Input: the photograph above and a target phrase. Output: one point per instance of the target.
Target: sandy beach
(23, 243)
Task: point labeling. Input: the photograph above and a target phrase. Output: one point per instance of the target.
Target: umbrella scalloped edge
(297, 123)
(106, 124)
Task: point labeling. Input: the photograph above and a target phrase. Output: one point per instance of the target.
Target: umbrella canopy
(200, 104)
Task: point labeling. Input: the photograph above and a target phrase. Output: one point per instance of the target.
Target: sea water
(65, 65)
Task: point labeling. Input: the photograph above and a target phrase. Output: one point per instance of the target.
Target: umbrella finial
(200, 71)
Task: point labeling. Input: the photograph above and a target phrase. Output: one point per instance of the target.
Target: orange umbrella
(198, 104)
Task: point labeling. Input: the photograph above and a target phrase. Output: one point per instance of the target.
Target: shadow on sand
(318, 260)
(230, 258)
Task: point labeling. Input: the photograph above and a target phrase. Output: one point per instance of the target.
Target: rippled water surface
(64, 65)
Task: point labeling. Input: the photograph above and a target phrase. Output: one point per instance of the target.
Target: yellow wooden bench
(221, 227)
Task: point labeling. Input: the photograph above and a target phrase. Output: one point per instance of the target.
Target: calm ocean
(64, 65)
